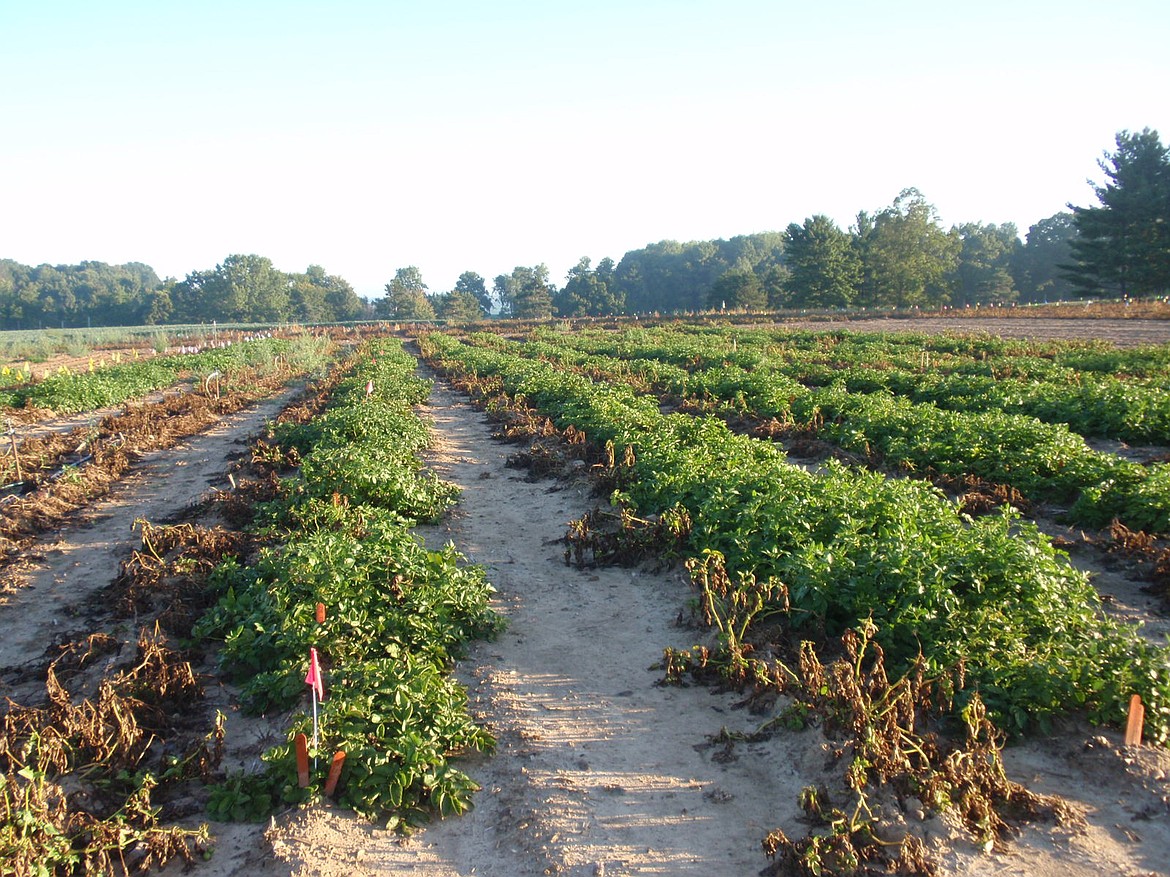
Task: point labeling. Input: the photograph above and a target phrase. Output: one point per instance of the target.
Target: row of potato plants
(1044, 461)
(340, 534)
(985, 355)
(93, 764)
(1057, 382)
(72, 392)
(1097, 393)
(832, 550)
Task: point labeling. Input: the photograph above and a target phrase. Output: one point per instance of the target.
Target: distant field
(1123, 332)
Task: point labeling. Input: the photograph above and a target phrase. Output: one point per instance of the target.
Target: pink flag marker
(316, 683)
(314, 676)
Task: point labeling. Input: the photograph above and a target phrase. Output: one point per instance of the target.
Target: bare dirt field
(599, 770)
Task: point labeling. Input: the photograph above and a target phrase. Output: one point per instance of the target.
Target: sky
(367, 136)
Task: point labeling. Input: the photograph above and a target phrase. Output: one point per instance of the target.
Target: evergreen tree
(1123, 246)
(473, 284)
(824, 266)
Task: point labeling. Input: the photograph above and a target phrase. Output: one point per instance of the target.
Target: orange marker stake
(320, 613)
(1137, 717)
(302, 747)
(334, 772)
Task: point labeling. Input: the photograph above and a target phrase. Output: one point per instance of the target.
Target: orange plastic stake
(302, 747)
(334, 772)
(1137, 717)
(320, 613)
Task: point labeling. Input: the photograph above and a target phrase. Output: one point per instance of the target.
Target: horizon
(374, 136)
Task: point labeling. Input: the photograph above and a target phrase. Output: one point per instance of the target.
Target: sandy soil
(599, 770)
(64, 568)
(44, 600)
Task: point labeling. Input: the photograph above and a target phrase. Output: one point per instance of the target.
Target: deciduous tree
(1037, 268)
(457, 306)
(738, 289)
(983, 275)
(589, 292)
(525, 294)
(242, 288)
(907, 259)
(406, 297)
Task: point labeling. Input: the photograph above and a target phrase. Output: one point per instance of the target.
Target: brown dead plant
(888, 738)
(167, 577)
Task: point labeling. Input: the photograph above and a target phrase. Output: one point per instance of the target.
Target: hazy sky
(366, 136)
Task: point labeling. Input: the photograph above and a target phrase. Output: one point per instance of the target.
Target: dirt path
(599, 771)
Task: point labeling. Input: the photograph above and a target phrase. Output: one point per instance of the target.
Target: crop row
(397, 613)
(1096, 393)
(982, 355)
(71, 392)
(1044, 461)
(833, 550)
(87, 771)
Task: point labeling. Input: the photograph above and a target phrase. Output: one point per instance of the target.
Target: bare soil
(599, 770)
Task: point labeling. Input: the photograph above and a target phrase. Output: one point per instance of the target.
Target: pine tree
(1123, 246)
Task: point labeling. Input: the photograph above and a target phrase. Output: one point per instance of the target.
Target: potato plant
(398, 613)
(849, 546)
(1094, 390)
(1045, 461)
(71, 392)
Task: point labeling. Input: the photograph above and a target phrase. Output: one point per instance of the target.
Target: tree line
(897, 257)
(242, 289)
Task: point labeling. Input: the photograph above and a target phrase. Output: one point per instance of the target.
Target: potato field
(657, 598)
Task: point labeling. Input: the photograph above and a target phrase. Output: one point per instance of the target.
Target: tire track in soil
(598, 770)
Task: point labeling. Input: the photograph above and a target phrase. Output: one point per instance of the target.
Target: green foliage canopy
(590, 292)
(983, 272)
(525, 294)
(1036, 266)
(406, 297)
(908, 260)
